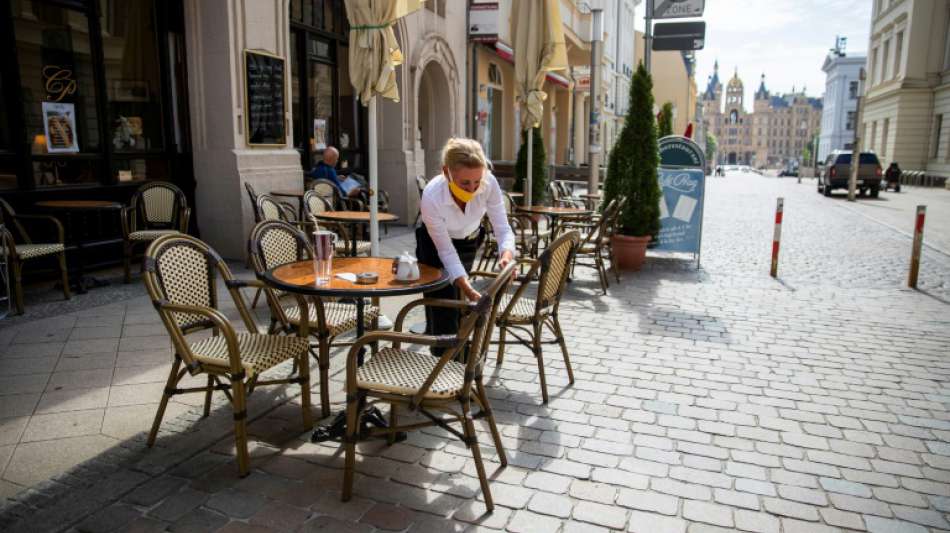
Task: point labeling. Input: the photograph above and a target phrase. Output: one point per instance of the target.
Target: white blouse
(445, 221)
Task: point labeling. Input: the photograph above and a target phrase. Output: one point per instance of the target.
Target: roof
(762, 93)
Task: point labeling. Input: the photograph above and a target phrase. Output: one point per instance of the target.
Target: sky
(787, 40)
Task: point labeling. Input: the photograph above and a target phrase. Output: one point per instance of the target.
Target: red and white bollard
(918, 245)
(777, 237)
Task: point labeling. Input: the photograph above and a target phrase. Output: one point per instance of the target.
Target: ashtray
(367, 278)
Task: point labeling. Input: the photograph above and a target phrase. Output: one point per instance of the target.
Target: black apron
(442, 321)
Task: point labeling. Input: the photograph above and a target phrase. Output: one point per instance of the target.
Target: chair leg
(256, 296)
(349, 443)
(208, 392)
(304, 376)
(472, 440)
(502, 332)
(495, 435)
(613, 263)
(65, 275)
(601, 273)
(560, 339)
(536, 343)
(393, 419)
(324, 366)
(240, 427)
(127, 261)
(169, 385)
(18, 286)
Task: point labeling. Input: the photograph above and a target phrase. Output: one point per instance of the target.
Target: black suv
(837, 170)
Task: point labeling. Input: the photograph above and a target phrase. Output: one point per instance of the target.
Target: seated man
(326, 169)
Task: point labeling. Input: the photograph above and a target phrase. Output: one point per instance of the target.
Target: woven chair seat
(404, 372)
(151, 234)
(258, 352)
(29, 251)
(340, 317)
(344, 247)
(522, 313)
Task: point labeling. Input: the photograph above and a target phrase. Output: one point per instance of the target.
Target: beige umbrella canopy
(539, 49)
(374, 55)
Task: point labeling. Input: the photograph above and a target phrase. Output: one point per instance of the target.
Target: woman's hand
(466, 288)
(506, 257)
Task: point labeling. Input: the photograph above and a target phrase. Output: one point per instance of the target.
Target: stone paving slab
(711, 400)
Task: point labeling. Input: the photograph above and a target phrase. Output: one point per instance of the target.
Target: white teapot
(407, 267)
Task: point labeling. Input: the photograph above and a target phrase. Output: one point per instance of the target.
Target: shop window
(58, 90)
(320, 79)
(133, 78)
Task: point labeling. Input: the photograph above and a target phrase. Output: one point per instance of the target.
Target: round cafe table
(80, 238)
(554, 213)
(352, 219)
(299, 277)
(591, 200)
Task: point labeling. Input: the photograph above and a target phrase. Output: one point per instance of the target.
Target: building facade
(838, 116)
(906, 113)
(774, 134)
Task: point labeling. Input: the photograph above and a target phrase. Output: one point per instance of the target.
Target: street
(705, 400)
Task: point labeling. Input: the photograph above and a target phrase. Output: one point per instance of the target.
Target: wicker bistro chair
(252, 194)
(27, 250)
(273, 243)
(328, 190)
(596, 242)
(441, 389)
(421, 185)
(180, 276)
(313, 205)
(519, 312)
(157, 209)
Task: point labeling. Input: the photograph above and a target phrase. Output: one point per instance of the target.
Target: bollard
(918, 244)
(777, 237)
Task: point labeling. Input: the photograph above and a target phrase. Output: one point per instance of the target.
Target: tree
(631, 169)
(711, 146)
(665, 126)
(539, 174)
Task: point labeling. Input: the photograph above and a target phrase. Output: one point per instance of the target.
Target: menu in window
(264, 98)
(59, 122)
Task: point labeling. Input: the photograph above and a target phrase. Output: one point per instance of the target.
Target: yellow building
(674, 82)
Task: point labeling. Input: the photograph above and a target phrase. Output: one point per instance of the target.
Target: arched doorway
(435, 115)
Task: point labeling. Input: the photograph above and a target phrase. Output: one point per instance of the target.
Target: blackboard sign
(264, 99)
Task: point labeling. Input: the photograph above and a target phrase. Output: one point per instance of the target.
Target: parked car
(837, 170)
(788, 173)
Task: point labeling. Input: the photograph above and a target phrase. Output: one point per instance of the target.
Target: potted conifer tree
(665, 126)
(631, 173)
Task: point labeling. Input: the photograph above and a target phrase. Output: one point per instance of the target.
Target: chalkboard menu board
(264, 99)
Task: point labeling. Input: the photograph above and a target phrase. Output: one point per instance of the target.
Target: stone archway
(434, 120)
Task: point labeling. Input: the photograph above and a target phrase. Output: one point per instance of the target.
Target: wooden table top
(354, 216)
(79, 204)
(293, 194)
(515, 194)
(554, 211)
(299, 277)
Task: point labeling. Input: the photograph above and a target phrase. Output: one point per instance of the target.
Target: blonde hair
(462, 152)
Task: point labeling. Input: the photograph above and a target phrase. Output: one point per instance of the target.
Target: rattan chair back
(555, 265)
(159, 205)
(273, 243)
(181, 270)
(272, 209)
(314, 203)
(328, 190)
(9, 219)
(252, 194)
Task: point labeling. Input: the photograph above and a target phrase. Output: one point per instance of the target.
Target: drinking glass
(323, 242)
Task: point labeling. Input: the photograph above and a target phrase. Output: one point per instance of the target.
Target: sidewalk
(710, 400)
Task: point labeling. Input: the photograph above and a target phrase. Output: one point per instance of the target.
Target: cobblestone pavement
(710, 400)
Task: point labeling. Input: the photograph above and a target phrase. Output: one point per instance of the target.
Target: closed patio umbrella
(539, 49)
(374, 55)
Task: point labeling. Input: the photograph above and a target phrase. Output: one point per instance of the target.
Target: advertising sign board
(682, 180)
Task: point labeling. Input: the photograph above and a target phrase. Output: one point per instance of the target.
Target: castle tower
(761, 102)
(734, 94)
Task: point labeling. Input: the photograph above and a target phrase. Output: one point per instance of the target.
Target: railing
(921, 178)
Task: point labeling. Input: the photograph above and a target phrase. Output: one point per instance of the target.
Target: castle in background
(775, 133)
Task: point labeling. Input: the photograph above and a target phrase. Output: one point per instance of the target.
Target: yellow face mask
(461, 194)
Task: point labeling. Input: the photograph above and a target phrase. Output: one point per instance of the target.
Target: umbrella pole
(530, 165)
(373, 181)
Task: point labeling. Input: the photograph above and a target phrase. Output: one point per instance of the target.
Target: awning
(508, 54)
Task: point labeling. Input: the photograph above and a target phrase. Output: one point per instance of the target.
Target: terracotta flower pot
(629, 252)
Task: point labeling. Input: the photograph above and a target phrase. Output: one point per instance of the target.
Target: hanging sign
(672, 9)
(483, 22)
(683, 186)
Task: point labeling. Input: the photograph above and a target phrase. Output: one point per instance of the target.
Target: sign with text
(264, 114)
(483, 22)
(681, 209)
(675, 9)
(682, 36)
